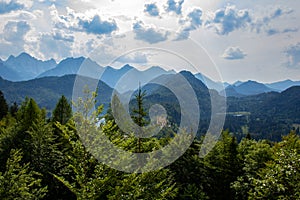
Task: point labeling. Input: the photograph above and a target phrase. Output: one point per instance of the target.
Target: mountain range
(47, 90)
(25, 67)
(247, 89)
(269, 113)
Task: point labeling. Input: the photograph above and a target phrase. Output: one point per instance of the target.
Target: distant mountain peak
(251, 82)
(237, 83)
(11, 57)
(156, 68)
(25, 55)
(24, 67)
(81, 58)
(187, 73)
(247, 88)
(52, 60)
(127, 67)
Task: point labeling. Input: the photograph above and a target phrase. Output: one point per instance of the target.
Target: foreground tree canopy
(46, 159)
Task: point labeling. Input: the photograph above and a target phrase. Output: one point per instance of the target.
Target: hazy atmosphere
(257, 40)
(133, 99)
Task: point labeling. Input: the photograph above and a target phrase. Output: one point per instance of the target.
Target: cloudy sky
(238, 40)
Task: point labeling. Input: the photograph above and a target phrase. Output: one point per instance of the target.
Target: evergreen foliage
(3, 106)
(62, 112)
(19, 181)
(50, 159)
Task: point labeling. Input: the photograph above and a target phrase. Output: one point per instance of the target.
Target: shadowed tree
(13, 109)
(62, 112)
(3, 106)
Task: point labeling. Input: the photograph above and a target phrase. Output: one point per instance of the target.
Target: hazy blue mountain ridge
(246, 89)
(24, 67)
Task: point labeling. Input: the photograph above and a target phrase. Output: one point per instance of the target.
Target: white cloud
(97, 26)
(56, 49)
(136, 57)
(174, 6)
(60, 35)
(14, 31)
(81, 22)
(293, 55)
(233, 53)
(191, 22)
(8, 6)
(149, 34)
(229, 19)
(263, 23)
(151, 9)
(12, 40)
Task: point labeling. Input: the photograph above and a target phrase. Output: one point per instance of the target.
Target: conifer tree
(224, 166)
(62, 112)
(29, 113)
(3, 106)
(13, 109)
(139, 113)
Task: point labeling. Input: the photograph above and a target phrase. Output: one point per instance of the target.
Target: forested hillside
(44, 158)
(265, 116)
(46, 91)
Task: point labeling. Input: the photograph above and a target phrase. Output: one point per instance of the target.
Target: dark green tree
(224, 167)
(13, 109)
(46, 158)
(3, 106)
(139, 113)
(62, 112)
(254, 156)
(28, 114)
(193, 177)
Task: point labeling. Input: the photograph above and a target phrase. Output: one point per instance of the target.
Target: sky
(225, 40)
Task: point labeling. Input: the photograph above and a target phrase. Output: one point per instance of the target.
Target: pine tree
(224, 166)
(29, 113)
(3, 106)
(13, 109)
(62, 112)
(139, 113)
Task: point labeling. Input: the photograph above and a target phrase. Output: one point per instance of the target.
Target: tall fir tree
(3, 106)
(13, 109)
(29, 113)
(62, 112)
(139, 113)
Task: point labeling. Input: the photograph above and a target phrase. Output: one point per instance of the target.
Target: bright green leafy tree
(280, 179)
(19, 181)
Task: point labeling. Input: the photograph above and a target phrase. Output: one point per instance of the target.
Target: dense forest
(266, 116)
(45, 158)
